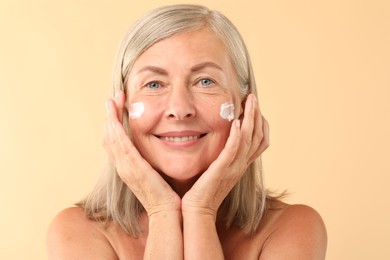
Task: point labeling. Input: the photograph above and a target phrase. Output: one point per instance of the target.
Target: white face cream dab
(136, 110)
(227, 111)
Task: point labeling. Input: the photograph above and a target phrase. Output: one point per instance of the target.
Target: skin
(182, 97)
(182, 185)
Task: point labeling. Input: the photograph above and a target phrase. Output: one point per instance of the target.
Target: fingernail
(117, 94)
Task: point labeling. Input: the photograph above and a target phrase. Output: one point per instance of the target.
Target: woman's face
(182, 82)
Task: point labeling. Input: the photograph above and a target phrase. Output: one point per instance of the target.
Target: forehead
(191, 46)
(185, 54)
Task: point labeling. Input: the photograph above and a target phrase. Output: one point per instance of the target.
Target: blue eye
(153, 85)
(206, 82)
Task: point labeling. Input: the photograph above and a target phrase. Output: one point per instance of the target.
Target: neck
(180, 186)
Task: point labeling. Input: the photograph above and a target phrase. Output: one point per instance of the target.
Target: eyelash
(211, 82)
(148, 85)
(159, 84)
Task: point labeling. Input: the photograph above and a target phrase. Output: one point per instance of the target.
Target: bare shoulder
(72, 235)
(297, 232)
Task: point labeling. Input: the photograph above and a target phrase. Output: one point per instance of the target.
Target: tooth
(179, 139)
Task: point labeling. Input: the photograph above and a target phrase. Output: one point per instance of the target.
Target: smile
(177, 139)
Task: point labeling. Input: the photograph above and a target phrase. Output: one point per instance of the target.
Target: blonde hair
(111, 199)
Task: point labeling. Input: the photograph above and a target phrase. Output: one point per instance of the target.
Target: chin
(182, 174)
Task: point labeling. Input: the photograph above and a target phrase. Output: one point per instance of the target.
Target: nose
(180, 104)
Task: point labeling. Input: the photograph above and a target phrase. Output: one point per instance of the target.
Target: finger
(229, 152)
(135, 171)
(120, 102)
(122, 148)
(108, 138)
(247, 127)
(264, 142)
(126, 154)
(258, 134)
(107, 141)
(112, 113)
(218, 170)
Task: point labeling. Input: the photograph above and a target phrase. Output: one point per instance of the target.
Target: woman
(183, 136)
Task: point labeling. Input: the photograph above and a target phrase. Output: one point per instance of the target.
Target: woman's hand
(242, 148)
(148, 186)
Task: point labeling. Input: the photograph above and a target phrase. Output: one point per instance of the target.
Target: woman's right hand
(148, 186)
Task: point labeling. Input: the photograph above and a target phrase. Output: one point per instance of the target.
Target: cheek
(219, 132)
(141, 125)
(214, 120)
(218, 114)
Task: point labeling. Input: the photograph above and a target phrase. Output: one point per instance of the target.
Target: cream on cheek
(143, 118)
(136, 110)
(217, 118)
(144, 115)
(227, 111)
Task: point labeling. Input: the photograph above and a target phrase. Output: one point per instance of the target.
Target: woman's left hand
(242, 148)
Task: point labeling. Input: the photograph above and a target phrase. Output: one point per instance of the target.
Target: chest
(238, 245)
(235, 244)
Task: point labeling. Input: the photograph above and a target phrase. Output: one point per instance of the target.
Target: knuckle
(267, 143)
(254, 156)
(259, 136)
(248, 141)
(112, 142)
(126, 150)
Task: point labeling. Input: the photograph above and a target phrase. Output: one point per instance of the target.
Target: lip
(180, 138)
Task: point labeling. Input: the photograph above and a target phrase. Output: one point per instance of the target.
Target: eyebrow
(195, 68)
(203, 65)
(154, 69)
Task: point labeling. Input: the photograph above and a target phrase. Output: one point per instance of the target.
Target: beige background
(323, 73)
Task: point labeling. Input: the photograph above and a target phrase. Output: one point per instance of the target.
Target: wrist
(165, 217)
(200, 213)
(164, 213)
(169, 205)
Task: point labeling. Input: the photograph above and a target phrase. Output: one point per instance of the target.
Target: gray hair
(111, 199)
